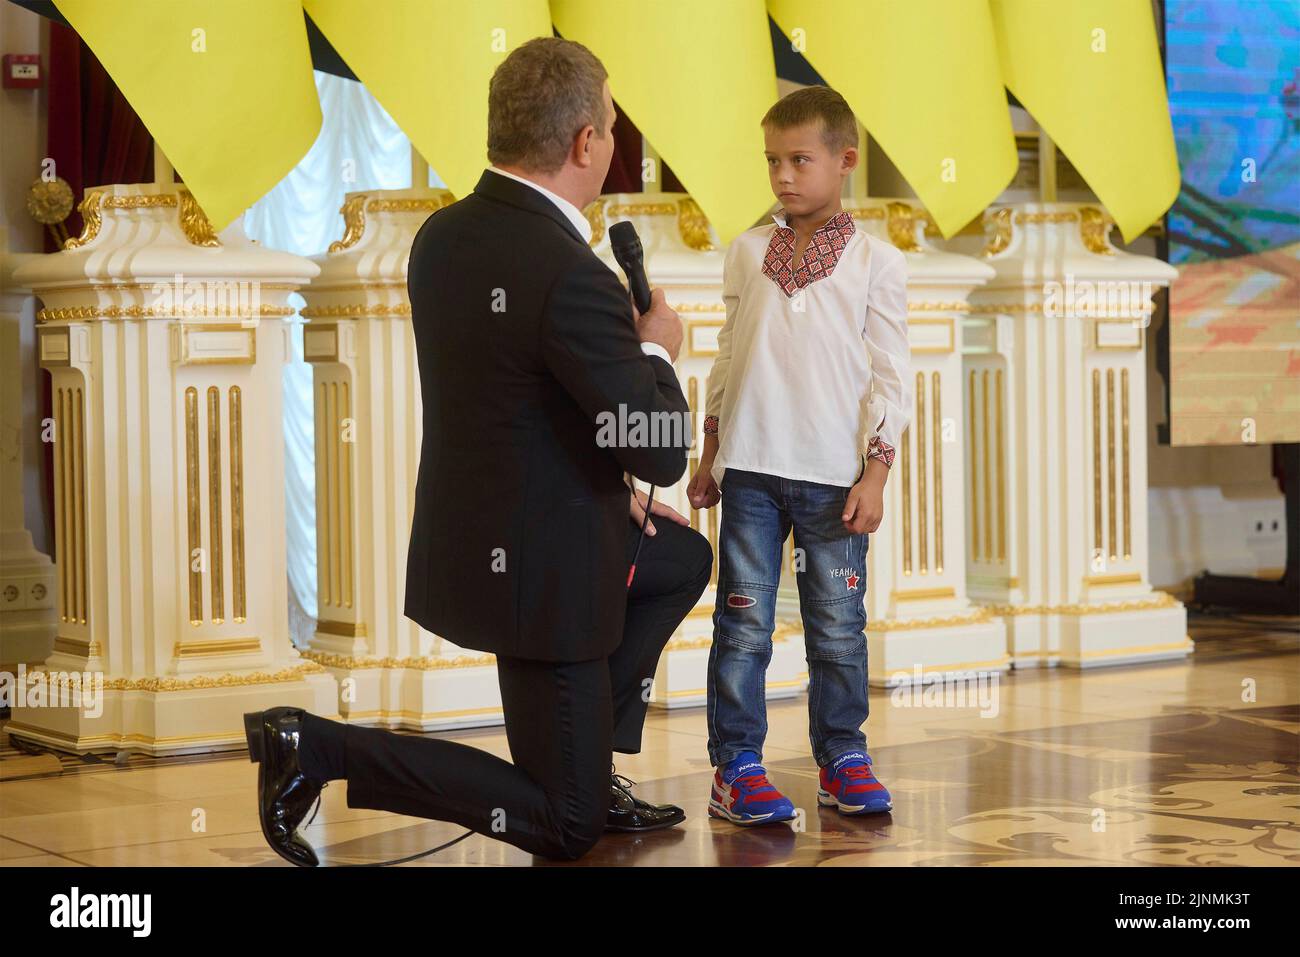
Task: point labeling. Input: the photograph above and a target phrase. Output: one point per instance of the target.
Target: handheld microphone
(626, 246)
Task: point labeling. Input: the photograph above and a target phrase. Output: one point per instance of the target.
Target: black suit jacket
(524, 336)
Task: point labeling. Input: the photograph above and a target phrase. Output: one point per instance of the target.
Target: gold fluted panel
(237, 504)
(1128, 454)
(345, 493)
(922, 549)
(70, 503)
(332, 489)
(988, 480)
(1110, 463)
(334, 506)
(906, 465)
(1098, 545)
(323, 543)
(192, 508)
(79, 501)
(62, 497)
(216, 557)
(693, 384)
(937, 433)
(713, 542)
(1001, 456)
(974, 473)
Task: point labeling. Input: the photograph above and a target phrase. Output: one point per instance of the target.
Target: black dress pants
(563, 720)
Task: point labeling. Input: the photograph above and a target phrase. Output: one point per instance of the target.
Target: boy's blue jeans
(758, 512)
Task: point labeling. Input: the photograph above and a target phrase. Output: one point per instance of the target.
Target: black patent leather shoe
(284, 793)
(630, 813)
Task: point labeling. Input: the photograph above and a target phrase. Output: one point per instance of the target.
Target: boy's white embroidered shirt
(813, 368)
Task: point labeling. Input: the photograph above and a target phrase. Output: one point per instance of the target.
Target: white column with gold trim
(358, 338)
(684, 256)
(1055, 387)
(28, 618)
(165, 345)
(920, 623)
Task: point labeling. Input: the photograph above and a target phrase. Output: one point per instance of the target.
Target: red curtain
(625, 168)
(95, 138)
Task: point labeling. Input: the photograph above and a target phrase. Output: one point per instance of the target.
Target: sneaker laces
(754, 782)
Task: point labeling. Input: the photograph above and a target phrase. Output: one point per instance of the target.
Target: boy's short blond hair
(811, 104)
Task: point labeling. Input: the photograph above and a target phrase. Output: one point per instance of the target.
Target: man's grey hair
(540, 96)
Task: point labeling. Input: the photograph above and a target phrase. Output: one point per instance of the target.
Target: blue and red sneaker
(849, 784)
(743, 795)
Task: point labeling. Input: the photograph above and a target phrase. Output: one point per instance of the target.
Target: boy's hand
(703, 491)
(865, 506)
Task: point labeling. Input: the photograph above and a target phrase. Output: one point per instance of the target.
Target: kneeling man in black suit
(521, 541)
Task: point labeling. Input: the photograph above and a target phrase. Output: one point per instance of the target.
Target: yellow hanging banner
(1090, 74)
(696, 79)
(226, 89)
(922, 77)
(428, 64)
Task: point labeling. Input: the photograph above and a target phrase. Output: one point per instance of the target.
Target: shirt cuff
(881, 450)
(654, 349)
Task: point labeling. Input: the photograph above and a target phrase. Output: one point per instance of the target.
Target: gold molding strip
(914, 624)
(923, 594)
(425, 663)
(1110, 464)
(411, 204)
(974, 475)
(937, 437)
(192, 502)
(82, 313)
(921, 499)
(1158, 600)
(988, 467)
(1128, 456)
(354, 310)
(617, 210)
(237, 504)
(348, 629)
(216, 557)
(938, 305)
(1098, 545)
(1001, 456)
(1125, 578)
(216, 647)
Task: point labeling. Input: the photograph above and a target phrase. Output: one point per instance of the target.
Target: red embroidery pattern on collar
(819, 258)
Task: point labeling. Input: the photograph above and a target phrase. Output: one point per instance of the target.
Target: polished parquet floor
(1160, 764)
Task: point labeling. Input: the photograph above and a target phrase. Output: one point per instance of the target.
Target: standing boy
(807, 401)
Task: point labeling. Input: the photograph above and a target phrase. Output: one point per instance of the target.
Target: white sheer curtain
(359, 147)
